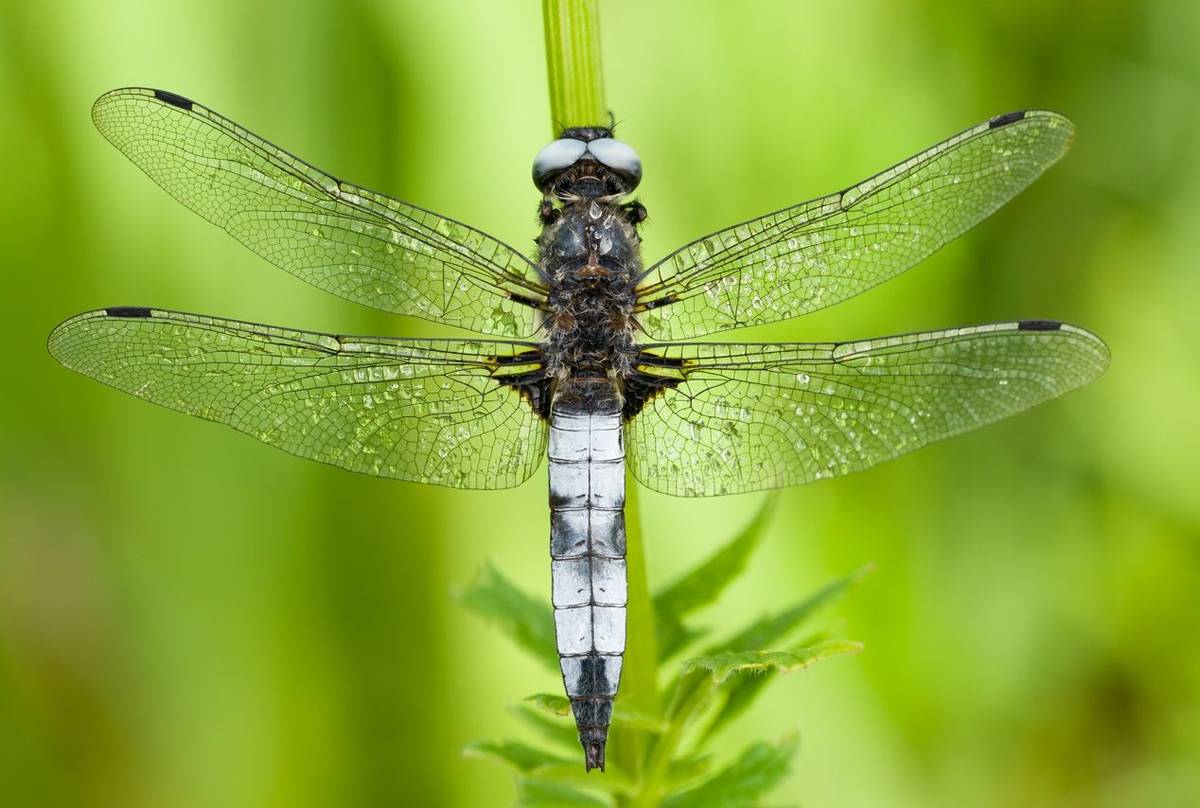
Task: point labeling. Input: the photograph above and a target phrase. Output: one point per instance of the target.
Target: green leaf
(551, 703)
(732, 663)
(769, 630)
(741, 783)
(528, 621)
(675, 635)
(740, 692)
(703, 584)
(685, 770)
(553, 728)
(627, 716)
(718, 679)
(658, 765)
(541, 794)
(520, 756)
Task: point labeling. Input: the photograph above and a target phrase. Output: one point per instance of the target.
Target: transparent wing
(430, 411)
(728, 418)
(353, 242)
(818, 253)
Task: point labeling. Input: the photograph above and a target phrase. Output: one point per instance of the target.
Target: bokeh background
(188, 618)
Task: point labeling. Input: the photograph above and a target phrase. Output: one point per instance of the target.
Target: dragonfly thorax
(590, 254)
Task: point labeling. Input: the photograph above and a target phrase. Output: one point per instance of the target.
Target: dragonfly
(581, 359)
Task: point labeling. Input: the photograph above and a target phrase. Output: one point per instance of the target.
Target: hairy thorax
(591, 255)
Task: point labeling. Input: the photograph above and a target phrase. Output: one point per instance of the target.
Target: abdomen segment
(587, 548)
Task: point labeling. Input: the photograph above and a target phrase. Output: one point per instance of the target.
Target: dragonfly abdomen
(587, 549)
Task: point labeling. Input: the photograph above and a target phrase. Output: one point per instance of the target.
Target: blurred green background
(189, 618)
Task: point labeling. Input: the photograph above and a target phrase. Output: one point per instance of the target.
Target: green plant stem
(693, 691)
(639, 679)
(572, 30)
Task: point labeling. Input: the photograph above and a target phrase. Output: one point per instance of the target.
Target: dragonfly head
(587, 162)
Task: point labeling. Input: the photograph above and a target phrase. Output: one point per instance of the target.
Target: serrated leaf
(523, 757)
(550, 703)
(541, 794)
(732, 663)
(704, 583)
(741, 692)
(769, 630)
(528, 621)
(741, 783)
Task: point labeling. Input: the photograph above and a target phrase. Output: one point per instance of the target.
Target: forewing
(353, 242)
(430, 411)
(728, 418)
(818, 253)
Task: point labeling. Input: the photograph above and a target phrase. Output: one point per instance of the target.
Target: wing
(353, 242)
(728, 418)
(446, 412)
(818, 253)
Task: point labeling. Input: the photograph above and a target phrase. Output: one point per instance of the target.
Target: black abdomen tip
(1006, 119)
(173, 99)
(128, 311)
(1039, 325)
(593, 754)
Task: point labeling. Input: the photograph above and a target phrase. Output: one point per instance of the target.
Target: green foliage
(768, 630)
(541, 794)
(671, 764)
(520, 756)
(526, 619)
(757, 771)
(555, 705)
(727, 664)
(705, 583)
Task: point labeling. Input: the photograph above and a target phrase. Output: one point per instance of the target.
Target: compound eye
(557, 156)
(618, 156)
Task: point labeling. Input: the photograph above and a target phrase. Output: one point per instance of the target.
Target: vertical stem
(573, 63)
(639, 680)
(691, 693)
